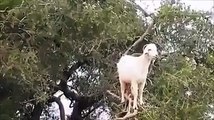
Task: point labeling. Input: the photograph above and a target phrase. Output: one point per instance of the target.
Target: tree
(46, 42)
(39, 40)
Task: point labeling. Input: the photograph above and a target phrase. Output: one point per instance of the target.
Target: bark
(61, 107)
(35, 115)
(37, 111)
(81, 102)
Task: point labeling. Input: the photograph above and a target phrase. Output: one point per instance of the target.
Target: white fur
(134, 70)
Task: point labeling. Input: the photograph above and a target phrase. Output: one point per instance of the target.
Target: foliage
(182, 93)
(179, 91)
(9, 4)
(38, 39)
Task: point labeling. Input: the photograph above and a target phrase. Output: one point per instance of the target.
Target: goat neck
(145, 59)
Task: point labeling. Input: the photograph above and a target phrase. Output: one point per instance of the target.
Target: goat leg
(141, 87)
(122, 86)
(134, 91)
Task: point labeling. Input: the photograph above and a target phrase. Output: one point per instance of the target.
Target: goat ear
(144, 47)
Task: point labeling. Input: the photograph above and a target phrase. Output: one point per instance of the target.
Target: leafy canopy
(38, 39)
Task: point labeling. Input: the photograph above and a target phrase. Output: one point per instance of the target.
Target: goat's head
(150, 50)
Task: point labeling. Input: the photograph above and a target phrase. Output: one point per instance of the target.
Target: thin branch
(112, 94)
(148, 30)
(141, 39)
(136, 6)
(129, 115)
(67, 73)
(91, 110)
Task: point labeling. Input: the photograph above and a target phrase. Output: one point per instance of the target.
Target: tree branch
(114, 95)
(149, 30)
(61, 107)
(141, 39)
(91, 110)
(37, 111)
(136, 6)
(71, 95)
(128, 115)
(68, 73)
(81, 102)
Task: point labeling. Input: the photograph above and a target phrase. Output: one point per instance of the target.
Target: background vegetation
(43, 42)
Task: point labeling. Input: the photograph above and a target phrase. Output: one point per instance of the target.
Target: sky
(149, 6)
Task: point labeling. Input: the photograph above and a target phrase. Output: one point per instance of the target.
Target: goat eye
(149, 49)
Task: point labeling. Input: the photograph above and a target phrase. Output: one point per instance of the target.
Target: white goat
(134, 70)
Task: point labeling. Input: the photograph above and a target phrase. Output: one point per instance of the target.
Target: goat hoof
(122, 101)
(141, 103)
(135, 108)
